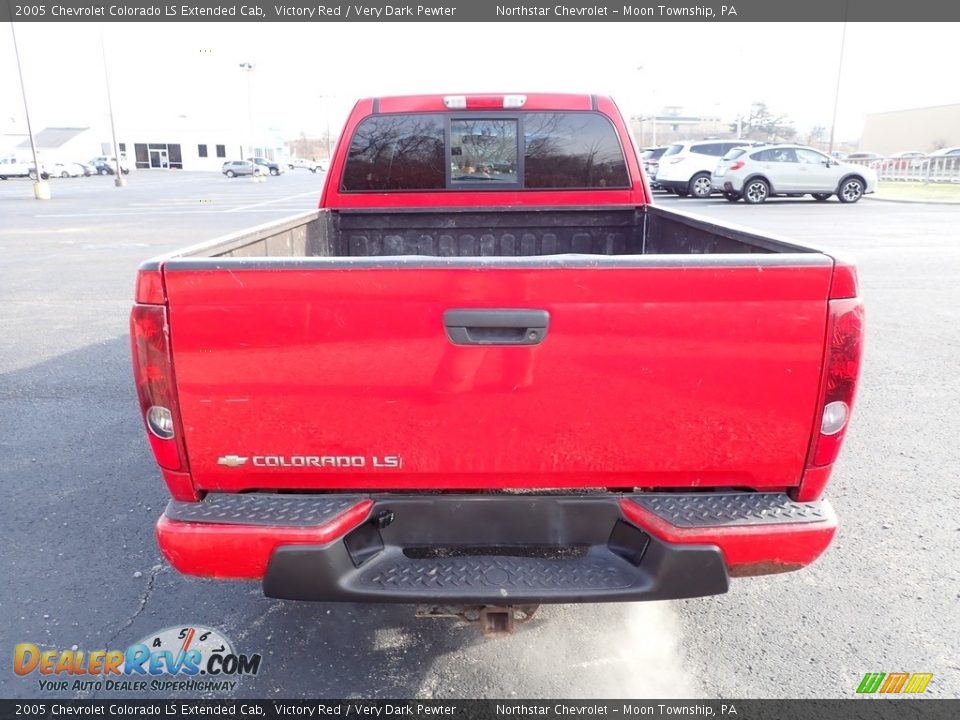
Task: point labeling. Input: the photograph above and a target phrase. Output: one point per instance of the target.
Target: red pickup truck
(488, 373)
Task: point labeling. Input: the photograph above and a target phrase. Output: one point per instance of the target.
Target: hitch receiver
(494, 620)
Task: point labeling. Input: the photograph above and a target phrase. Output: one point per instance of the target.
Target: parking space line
(270, 202)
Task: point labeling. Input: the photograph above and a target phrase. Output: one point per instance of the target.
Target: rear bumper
(493, 549)
(726, 183)
(673, 184)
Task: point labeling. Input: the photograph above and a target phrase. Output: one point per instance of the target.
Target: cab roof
(484, 101)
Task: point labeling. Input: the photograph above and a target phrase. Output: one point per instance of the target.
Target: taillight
(845, 347)
(737, 164)
(153, 374)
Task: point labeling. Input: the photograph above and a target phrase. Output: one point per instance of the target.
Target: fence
(939, 169)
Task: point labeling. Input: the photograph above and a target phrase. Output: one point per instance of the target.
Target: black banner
(480, 11)
(859, 709)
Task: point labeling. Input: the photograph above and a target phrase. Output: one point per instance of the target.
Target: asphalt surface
(79, 491)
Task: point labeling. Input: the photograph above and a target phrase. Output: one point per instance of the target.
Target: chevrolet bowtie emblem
(231, 460)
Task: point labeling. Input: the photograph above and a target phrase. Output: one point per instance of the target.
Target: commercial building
(178, 145)
(58, 144)
(924, 129)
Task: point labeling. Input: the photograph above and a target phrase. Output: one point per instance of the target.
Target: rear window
(437, 151)
(734, 154)
(483, 150)
(652, 153)
(572, 150)
(776, 154)
(396, 152)
(714, 149)
(673, 149)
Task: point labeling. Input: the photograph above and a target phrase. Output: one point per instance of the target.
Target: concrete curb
(913, 202)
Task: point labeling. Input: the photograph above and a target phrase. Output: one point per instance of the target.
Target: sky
(307, 75)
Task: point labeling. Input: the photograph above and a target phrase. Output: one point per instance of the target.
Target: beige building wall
(923, 129)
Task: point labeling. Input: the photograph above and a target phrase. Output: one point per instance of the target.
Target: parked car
(946, 152)
(441, 402)
(303, 164)
(650, 158)
(942, 166)
(869, 159)
(756, 173)
(685, 167)
(11, 167)
(274, 168)
(234, 168)
(323, 165)
(65, 170)
(904, 160)
(105, 165)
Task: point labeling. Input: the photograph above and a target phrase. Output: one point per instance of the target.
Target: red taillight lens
(153, 374)
(737, 164)
(845, 337)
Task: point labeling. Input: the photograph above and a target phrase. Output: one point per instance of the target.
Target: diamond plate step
(504, 574)
(730, 509)
(262, 509)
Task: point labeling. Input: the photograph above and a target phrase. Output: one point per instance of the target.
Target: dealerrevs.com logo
(192, 658)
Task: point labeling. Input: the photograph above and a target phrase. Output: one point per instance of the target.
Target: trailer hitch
(494, 620)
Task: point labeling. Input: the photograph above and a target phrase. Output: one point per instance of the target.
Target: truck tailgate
(323, 376)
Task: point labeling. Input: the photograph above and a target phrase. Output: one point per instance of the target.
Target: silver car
(756, 173)
(233, 168)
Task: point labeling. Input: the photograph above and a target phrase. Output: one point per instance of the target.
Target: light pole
(653, 116)
(41, 189)
(325, 99)
(118, 179)
(247, 67)
(836, 95)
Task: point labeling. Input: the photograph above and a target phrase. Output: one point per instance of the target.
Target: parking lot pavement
(79, 491)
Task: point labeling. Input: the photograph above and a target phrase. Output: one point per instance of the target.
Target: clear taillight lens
(153, 373)
(845, 337)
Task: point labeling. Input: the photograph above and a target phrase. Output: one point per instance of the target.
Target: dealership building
(174, 145)
(179, 146)
(923, 129)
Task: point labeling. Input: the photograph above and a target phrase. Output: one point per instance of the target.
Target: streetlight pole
(247, 67)
(836, 95)
(118, 179)
(41, 189)
(653, 115)
(325, 99)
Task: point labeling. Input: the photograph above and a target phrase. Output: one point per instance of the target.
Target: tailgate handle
(496, 327)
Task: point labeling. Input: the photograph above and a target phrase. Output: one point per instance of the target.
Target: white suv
(756, 173)
(685, 167)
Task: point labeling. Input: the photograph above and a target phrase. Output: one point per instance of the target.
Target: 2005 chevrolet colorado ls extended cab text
(488, 373)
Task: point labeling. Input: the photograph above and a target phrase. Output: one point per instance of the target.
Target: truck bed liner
(500, 233)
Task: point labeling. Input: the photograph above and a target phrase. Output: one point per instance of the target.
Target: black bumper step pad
(262, 509)
(689, 510)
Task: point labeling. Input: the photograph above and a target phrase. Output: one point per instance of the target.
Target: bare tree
(762, 124)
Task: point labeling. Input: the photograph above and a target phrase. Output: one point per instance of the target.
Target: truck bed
(645, 230)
